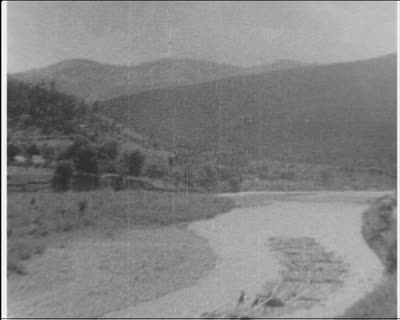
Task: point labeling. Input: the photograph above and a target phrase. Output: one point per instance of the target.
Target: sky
(242, 33)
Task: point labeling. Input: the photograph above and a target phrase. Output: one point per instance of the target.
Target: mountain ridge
(343, 111)
(91, 80)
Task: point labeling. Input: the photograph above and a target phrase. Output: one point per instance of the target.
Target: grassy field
(34, 217)
(21, 178)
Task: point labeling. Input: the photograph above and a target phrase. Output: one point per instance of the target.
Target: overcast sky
(241, 33)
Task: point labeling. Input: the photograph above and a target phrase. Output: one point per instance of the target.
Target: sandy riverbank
(88, 274)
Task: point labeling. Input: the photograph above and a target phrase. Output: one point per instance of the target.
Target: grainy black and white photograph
(199, 159)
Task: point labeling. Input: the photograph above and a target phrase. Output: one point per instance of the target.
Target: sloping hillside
(91, 80)
(45, 118)
(344, 112)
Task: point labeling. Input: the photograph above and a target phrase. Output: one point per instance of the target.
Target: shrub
(22, 249)
(25, 248)
(379, 231)
(16, 266)
(62, 175)
(39, 247)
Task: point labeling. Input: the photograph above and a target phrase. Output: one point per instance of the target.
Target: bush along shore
(380, 232)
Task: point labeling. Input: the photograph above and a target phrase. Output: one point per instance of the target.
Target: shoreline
(244, 259)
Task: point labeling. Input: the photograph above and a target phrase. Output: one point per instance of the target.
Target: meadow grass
(33, 217)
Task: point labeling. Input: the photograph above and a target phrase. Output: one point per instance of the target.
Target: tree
(233, 156)
(86, 160)
(24, 120)
(106, 164)
(47, 152)
(40, 106)
(325, 177)
(207, 177)
(234, 183)
(33, 150)
(12, 151)
(62, 175)
(132, 163)
(95, 107)
(110, 149)
(155, 169)
(185, 163)
(71, 151)
(184, 154)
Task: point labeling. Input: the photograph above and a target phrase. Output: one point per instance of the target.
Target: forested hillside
(339, 113)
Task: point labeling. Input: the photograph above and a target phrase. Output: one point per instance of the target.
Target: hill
(45, 126)
(91, 80)
(280, 64)
(337, 113)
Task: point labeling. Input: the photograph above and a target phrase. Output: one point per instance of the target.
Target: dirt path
(239, 238)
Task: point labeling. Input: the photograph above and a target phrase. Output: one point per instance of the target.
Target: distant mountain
(281, 64)
(342, 112)
(91, 80)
